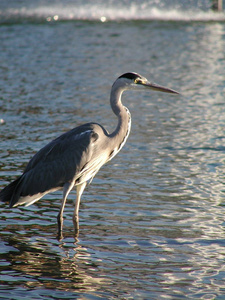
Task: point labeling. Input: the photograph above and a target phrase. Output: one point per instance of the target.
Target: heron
(73, 159)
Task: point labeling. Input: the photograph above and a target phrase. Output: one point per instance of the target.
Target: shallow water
(152, 220)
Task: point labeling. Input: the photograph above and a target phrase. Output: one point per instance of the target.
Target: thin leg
(80, 189)
(66, 189)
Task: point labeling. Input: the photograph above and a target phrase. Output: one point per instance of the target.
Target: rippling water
(152, 221)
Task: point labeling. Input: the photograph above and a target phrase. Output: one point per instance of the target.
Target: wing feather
(61, 161)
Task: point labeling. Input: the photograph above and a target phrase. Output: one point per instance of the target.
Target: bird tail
(8, 192)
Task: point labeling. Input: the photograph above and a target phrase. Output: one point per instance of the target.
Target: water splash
(110, 11)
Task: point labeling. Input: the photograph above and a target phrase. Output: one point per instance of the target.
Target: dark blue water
(152, 220)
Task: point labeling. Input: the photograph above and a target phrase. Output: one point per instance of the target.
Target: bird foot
(59, 236)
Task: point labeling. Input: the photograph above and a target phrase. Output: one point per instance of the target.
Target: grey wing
(57, 163)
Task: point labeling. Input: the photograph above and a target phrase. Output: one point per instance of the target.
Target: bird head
(134, 81)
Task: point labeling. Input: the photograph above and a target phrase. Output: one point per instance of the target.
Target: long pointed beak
(159, 88)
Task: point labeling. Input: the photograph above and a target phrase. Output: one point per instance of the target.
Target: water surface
(152, 221)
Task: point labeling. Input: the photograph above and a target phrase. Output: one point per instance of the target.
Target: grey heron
(72, 159)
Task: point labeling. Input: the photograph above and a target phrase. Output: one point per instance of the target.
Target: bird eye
(137, 81)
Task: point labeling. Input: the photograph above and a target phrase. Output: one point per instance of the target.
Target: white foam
(97, 12)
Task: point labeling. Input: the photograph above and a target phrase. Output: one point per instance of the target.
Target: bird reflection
(66, 264)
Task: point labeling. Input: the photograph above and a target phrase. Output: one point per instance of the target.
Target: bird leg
(80, 189)
(66, 189)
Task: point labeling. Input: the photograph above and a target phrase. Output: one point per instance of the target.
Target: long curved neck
(120, 134)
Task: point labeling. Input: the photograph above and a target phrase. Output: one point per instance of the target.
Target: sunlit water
(152, 220)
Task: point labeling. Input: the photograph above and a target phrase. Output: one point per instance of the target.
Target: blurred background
(152, 220)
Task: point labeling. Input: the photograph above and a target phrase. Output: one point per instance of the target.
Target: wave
(101, 13)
